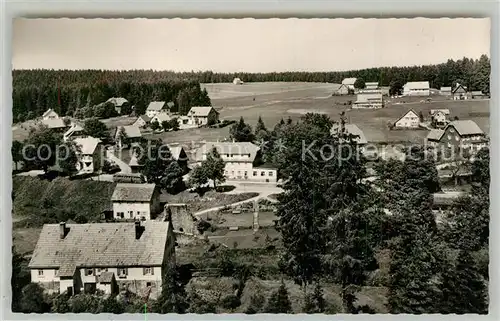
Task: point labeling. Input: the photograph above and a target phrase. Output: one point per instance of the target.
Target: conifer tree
(279, 302)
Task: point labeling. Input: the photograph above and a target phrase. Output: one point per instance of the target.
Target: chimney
(62, 230)
(138, 230)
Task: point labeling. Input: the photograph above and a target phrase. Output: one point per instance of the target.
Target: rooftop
(87, 145)
(466, 127)
(363, 98)
(117, 101)
(156, 105)
(54, 123)
(224, 148)
(50, 110)
(353, 130)
(349, 81)
(131, 131)
(417, 85)
(444, 111)
(435, 134)
(130, 192)
(200, 111)
(99, 245)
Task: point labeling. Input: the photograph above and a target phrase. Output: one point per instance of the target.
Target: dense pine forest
(66, 91)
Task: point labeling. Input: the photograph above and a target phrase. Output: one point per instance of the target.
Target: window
(147, 271)
(246, 173)
(262, 173)
(120, 215)
(227, 155)
(148, 283)
(270, 174)
(122, 272)
(452, 130)
(89, 272)
(226, 172)
(232, 173)
(456, 138)
(449, 137)
(130, 214)
(40, 272)
(57, 272)
(239, 173)
(254, 173)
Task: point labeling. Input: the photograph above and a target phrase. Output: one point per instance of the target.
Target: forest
(67, 91)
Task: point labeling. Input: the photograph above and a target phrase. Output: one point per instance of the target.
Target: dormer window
(89, 272)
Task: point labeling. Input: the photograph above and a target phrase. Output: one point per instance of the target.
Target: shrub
(230, 302)
(202, 226)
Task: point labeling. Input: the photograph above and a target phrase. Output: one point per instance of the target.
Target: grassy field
(274, 101)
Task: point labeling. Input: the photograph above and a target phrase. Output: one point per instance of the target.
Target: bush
(230, 302)
(203, 226)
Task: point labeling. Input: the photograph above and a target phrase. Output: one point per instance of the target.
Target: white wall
(49, 275)
(151, 113)
(138, 209)
(411, 121)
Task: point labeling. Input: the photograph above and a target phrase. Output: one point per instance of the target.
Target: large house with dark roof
(76, 258)
(127, 135)
(154, 108)
(458, 134)
(136, 201)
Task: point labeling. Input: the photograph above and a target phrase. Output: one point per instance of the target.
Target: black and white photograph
(250, 166)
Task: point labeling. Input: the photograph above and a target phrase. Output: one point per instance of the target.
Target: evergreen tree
(33, 299)
(464, 290)
(155, 125)
(257, 302)
(41, 148)
(17, 153)
(210, 169)
(166, 125)
(261, 132)
(95, 128)
(173, 298)
(241, 132)
(315, 302)
(279, 302)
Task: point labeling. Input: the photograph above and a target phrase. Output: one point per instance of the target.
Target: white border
(237, 9)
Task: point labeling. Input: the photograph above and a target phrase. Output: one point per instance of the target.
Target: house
(342, 90)
(459, 92)
(56, 124)
(478, 95)
(154, 108)
(349, 82)
(369, 101)
(416, 88)
(76, 258)
(185, 122)
(118, 102)
(136, 201)
(170, 105)
(438, 117)
(458, 135)
(142, 121)
(89, 155)
(352, 129)
(241, 161)
(76, 130)
(127, 135)
(445, 91)
(203, 116)
(237, 81)
(161, 117)
(409, 120)
(371, 85)
(50, 114)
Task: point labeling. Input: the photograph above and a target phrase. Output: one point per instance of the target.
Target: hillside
(37, 201)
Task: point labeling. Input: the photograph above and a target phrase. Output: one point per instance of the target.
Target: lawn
(274, 101)
(25, 239)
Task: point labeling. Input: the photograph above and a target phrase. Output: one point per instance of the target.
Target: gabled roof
(133, 161)
(466, 127)
(87, 144)
(435, 134)
(161, 117)
(100, 245)
(444, 111)
(459, 86)
(224, 148)
(105, 277)
(200, 111)
(176, 151)
(417, 85)
(349, 81)
(133, 192)
(156, 105)
(54, 123)
(117, 101)
(170, 104)
(75, 128)
(477, 93)
(352, 129)
(49, 111)
(131, 131)
(409, 111)
(146, 118)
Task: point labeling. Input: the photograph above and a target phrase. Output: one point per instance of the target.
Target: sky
(244, 45)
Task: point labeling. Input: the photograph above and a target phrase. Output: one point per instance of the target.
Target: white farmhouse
(50, 114)
(142, 121)
(136, 201)
(349, 82)
(89, 155)
(154, 108)
(369, 101)
(237, 81)
(416, 88)
(409, 120)
(161, 117)
(76, 258)
(240, 159)
(200, 116)
(439, 117)
(118, 102)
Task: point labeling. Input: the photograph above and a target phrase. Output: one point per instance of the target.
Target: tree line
(81, 93)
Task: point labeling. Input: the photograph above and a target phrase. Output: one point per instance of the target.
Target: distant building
(50, 114)
(445, 91)
(154, 108)
(89, 156)
(132, 134)
(342, 90)
(369, 101)
(83, 258)
(56, 124)
(478, 95)
(241, 159)
(409, 120)
(136, 201)
(118, 102)
(459, 92)
(351, 129)
(76, 130)
(439, 117)
(142, 121)
(371, 85)
(200, 116)
(458, 134)
(349, 82)
(370, 88)
(237, 81)
(161, 117)
(416, 88)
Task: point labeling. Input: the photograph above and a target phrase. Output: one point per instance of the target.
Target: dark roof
(105, 277)
(466, 127)
(100, 245)
(133, 192)
(156, 105)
